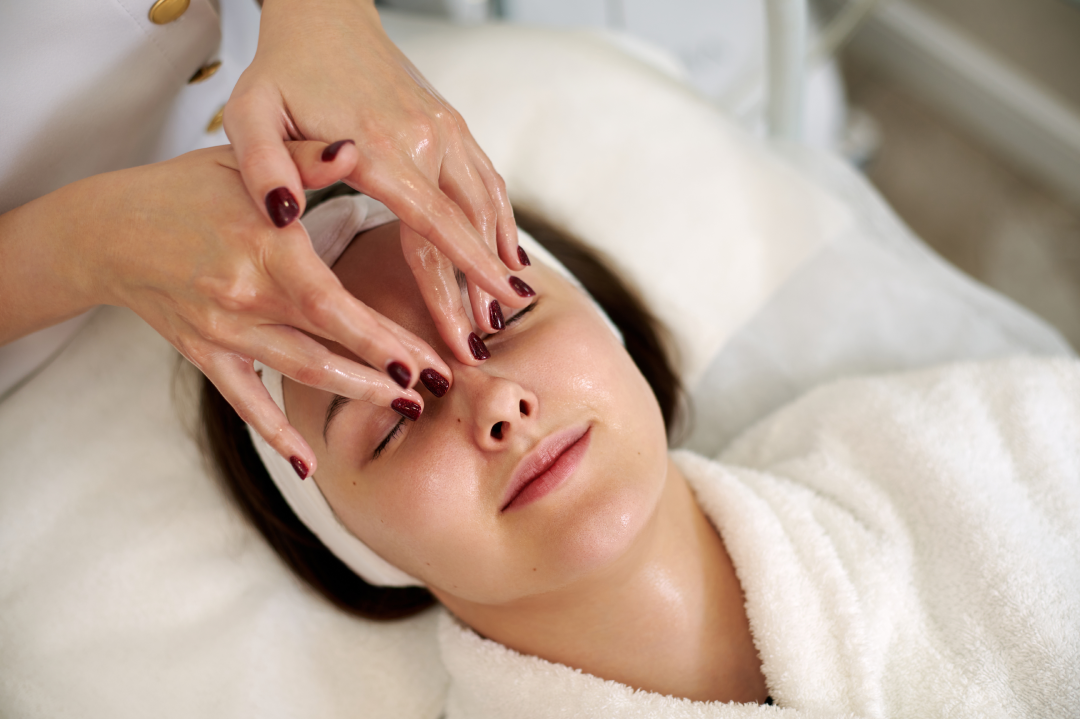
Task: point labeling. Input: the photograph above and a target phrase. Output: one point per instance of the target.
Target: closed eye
(335, 406)
(516, 317)
(389, 437)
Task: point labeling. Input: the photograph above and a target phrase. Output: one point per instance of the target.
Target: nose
(501, 408)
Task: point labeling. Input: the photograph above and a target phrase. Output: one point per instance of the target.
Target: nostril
(497, 430)
(523, 407)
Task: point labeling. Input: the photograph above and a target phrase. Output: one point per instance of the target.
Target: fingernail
(282, 206)
(299, 466)
(435, 382)
(479, 349)
(406, 408)
(495, 315)
(522, 257)
(521, 288)
(399, 373)
(331, 151)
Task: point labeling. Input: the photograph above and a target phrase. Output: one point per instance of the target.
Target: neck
(669, 617)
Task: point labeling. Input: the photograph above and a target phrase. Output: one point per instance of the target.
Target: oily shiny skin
(616, 571)
(431, 502)
(326, 70)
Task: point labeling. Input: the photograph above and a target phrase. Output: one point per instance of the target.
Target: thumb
(255, 125)
(320, 164)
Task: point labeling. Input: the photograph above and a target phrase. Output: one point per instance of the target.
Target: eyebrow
(335, 406)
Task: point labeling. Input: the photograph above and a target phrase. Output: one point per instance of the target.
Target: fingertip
(399, 373)
(521, 288)
(407, 408)
(331, 152)
(299, 466)
(435, 382)
(495, 316)
(282, 206)
(479, 350)
(320, 164)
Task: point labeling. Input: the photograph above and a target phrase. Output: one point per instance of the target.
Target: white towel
(909, 546)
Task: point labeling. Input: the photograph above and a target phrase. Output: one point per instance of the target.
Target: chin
(606, 524)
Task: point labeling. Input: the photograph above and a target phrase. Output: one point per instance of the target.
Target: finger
(321, 164)
(506, 226)
(460, 181)
(443, 296)
(257, 128)
(298, 356)
(435, 374)
(431, 214)
(329, 310)
(486, 310)
(236, 380)
(462, 184)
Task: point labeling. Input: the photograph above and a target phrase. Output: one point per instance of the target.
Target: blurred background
(965, 114)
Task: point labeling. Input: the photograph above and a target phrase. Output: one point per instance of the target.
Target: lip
(547, 466)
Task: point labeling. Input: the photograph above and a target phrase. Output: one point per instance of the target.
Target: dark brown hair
(233, 457)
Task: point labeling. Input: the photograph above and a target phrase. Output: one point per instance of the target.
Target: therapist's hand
(325, 70)
(181, 243)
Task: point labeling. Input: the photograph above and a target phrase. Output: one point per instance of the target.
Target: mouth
(547, 466)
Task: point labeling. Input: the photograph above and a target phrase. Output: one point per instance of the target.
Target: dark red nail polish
(521, 288)
(435, 382)
(331, 151)
(406, 408)
(299, 466)
(479, 349)
(282, 206)
(522, 257)
(399, 373)
(495, 315)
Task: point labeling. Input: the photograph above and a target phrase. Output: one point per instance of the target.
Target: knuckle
(309, 374)
(193, 350)
(258, 155)
(488, 216)
(216, 328)
(245, 411)
(317, 305)
(236, 295)
(426, 128)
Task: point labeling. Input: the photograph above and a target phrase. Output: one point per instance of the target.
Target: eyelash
(401, 422)
(521, 314)
(386, 440)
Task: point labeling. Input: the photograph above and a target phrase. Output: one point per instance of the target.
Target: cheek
(626, 466)
(425, 514)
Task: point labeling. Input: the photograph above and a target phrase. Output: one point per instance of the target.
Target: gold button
(165, 11)
(205, 72)
(216, 121)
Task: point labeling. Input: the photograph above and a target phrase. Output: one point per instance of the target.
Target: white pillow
(692, 208)
(130, 587)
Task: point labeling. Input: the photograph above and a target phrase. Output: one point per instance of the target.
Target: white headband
(332, 226)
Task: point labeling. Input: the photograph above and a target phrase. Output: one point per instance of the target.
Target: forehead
(374, 270)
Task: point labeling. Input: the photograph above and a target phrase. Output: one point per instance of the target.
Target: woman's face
(440, 498)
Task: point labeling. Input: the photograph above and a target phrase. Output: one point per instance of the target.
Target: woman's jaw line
(587, 596)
